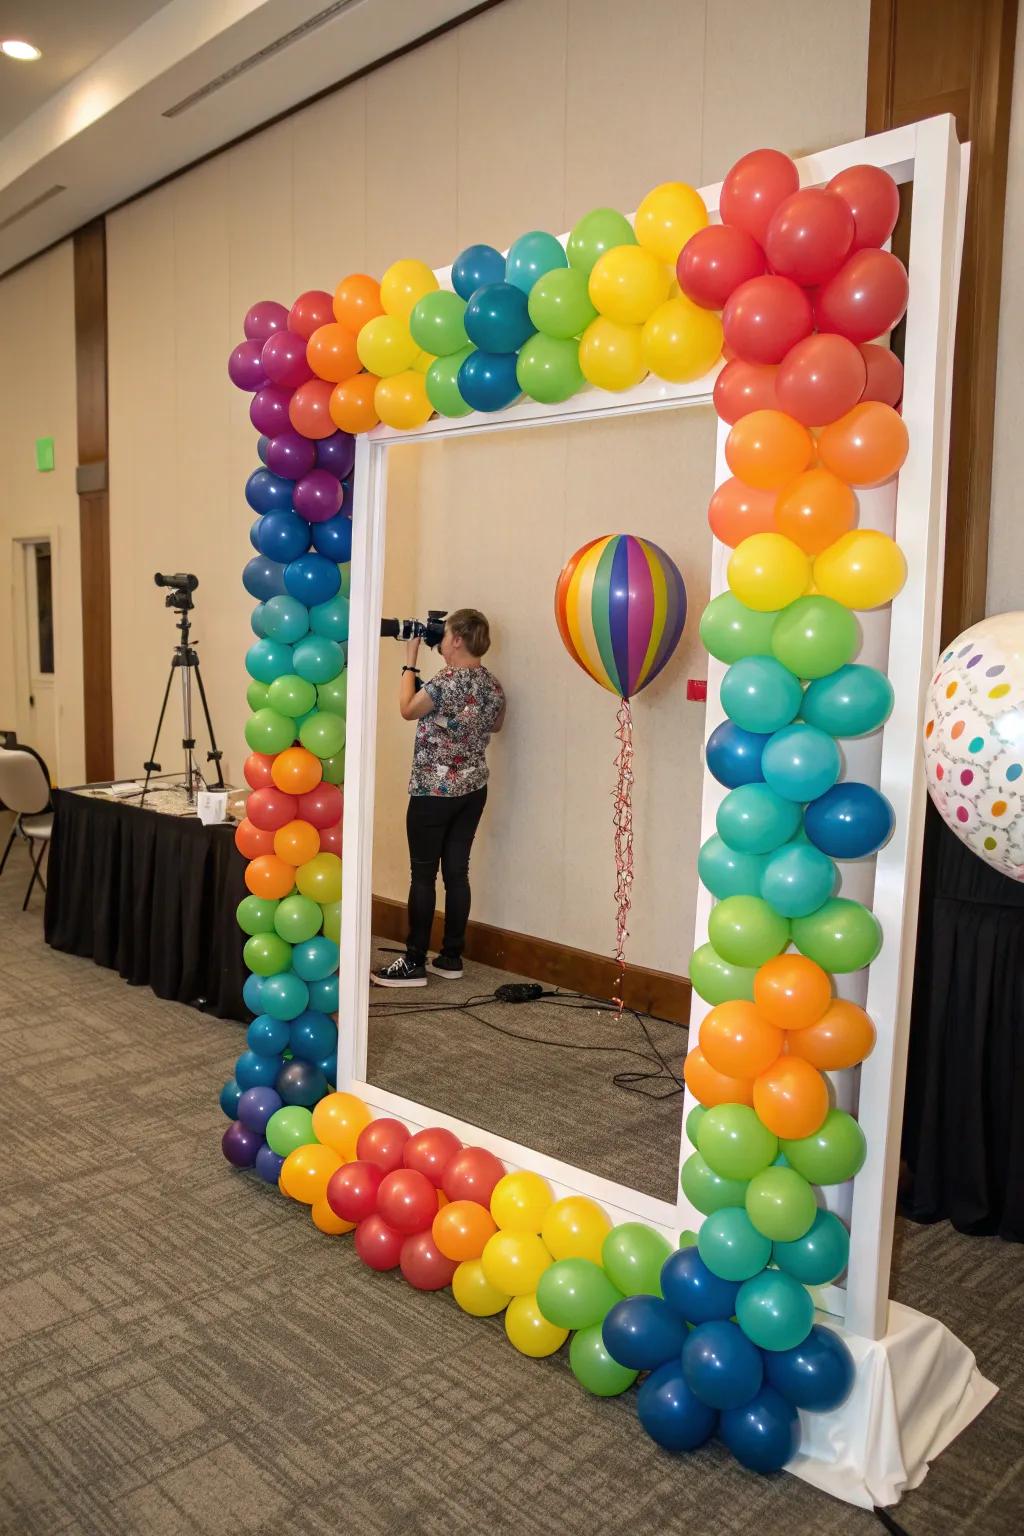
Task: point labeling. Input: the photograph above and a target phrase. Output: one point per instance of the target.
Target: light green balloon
(833, 1154)
(716, 981)
(781, 1204)
(297, 919)
(291, 695)
(576, 1293)
(730, 630)
(693, 1121)
(598, 231)
(745, 930)
(632, 1255)
(269, 732)
(323, 734)
(332, 920)
(731, 1246)
(436, 323)
(333, 696)
(549, 370)
(814, 636)
(255, 915)
(267, 954)
(841, 936)
(734, 1143)
(256, 695)
(706, 1190)
(560, 304)
(442, 384)
(290, 1127)
(594, 1367)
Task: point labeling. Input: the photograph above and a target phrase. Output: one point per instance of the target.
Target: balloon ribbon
(622, 821)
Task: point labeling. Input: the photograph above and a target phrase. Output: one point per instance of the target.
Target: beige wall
(37, 399)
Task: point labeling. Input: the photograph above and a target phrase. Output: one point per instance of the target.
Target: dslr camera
(182, 585)
(431, 632)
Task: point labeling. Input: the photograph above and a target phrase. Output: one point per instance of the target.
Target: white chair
(25, 790)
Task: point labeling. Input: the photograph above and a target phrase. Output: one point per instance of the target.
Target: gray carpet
(183, 1353)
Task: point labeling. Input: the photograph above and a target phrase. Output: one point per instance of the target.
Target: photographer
(456, 714)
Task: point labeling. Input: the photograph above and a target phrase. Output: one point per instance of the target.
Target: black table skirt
(151, 896)
(963, 1131)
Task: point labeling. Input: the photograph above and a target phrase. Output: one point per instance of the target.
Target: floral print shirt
(448, 758)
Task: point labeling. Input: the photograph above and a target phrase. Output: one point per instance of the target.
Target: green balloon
(814, 636)
(549, 370)
(728, 872)
(576, 1293)
(632, 1255)
(443, 384)
(297, 919)
(734, 1143)
(835, 1152)
(560, 304)
(436, 323)
(254, 915)
(267, 731)
(745, 930)
(323, 734)
(841, 936)
(688, 1239)
(333, 696)
(730, 630)
(256, 695)
(716, 981)
(334, 768)
(774, 1310)
(706, 1190)
(332, 920)
(693, 1121)
(267, 954)
(594, 1367)
(731, 1246)
(781, 1204)
(597, 232)
(289, 1128)
(291, 695)
(345, 572)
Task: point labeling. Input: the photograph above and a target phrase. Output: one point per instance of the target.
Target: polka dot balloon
(973, 739)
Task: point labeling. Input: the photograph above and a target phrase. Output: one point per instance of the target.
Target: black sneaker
(449, 966)
(402, 972)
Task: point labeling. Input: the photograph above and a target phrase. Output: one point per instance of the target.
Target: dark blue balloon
(329, 1068)
(300, 1082)
(256, 1106)
(312, 579)
(252, 1071)
(497, 318)
(262, 443)
(251, 993)
(721, 1366)
(263, 578)
(693, 1291)
(267, 1036)
(487, 380)
(764, 1434)
(849, 821)
(229, 1097)
(642, 1332)
(817, 1375)
(283, 536)
(671, 1415)
(323, 994)
(475, 266)
(268, 1165)
(733, 755)
(312, 1036)
(334, 538)
(254, 534)
(268, 493)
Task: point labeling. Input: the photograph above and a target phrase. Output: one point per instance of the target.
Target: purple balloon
(264, 318)
(290, 455)
(256, 1106)
(317, 496)
(336, 453)
(284, 359)
(268, 1164)
(269, 410)
(240, 1146)
(245, 369)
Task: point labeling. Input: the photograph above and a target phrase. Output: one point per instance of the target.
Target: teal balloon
(291, 695)
(774, 1310)
(318, 659)
(755, 819)
(781, 1204)
(594, 1367)
(323, 734)
(852, 701)
(442, 384)
(727, 872)
(268, 659)
(284, 996)
(820, 1256)
(716, 980)
(576, 1293)
(731, 1246)
(531, 256)
(436, 323)
(548, 370)
(267, 731)
(256, 696)
(298, 919)
(330, 620)
(800, 762)
(316, 958)
(760, 695)
(693, 1121)
(255, 915)
(797, 879)
(706, 1190)
(285, 619)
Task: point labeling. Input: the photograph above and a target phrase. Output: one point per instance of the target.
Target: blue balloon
(643, 1332)
(300, 1082)
(693, 1291)
(268, 1164)
(817, 1375)
(531, 256)
(759, 694)
(334, 538)
(262, 444)
(254, 529)
(268, 659)
(475, 266)
(256, 1107)
(671, 1415)
(329, 1068)
(852, 701)
(764, 1434)
(263, 578)
(497, 319)
(734, 755)
(800, 762)
(487, 380)
(311, 579)
(727, 872)
(267, 1036)
(797, 879)
(268, 493)
(754, 819)
(820, 1256)
(720, 1366)
(285, 619)
(316, 958)
(323, 994)
(849, 821)
(256, 620)
(283, 536)
(229, 1097)
(312, 1036)
(252, 1071)
(284, 996)
(252, 993)
(331, 619)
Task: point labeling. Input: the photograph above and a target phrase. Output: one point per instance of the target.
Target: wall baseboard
(576, 970)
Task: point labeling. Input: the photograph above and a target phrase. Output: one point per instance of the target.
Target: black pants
(441, 829)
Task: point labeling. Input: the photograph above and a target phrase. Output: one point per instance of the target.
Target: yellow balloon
(529, 1330)
(667, 217)
(611, 355)
(326, 1221)
(402, 402)
(767, 571)
(575, 1228)
(306, 1170)
(337, 1122)
(627, 284)
(681, 341)
(513, 1262)
(422, 361)
(403, 285)
(320, 878)
(474, 1293)
(385, 346)
(519, 1200)
(863, 569)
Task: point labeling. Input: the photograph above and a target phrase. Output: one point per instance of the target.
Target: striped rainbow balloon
(620, 605)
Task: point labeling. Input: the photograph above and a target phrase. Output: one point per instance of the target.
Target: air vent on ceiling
(329, 13)
(30, 207)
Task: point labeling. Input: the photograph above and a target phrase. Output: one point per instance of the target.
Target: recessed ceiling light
(16, 49)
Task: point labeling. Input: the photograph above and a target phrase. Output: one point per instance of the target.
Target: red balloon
(885, 374)
(754, 188)
(874, 200)
(382, 1142)
(257, 770)
(352, 1190)
(271, 808)
(716, 260)
(820, 379)
(472, 1174)
(743, 387)
(284, 359)
(321, 806)
(809, 236)
(330, 839)
(866, 298)
(407, 1200)
(252, 841)
(310, 311)
(430, 1151)
(425, 1268)
(378, 1245)
(765, 317)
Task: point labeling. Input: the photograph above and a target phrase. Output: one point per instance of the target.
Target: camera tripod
(185, 659)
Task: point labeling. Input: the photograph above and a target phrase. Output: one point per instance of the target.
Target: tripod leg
(209, 727)
(156, 739)
(10, 844)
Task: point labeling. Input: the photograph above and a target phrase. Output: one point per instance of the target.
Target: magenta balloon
(317, 496)
(336, 453)
(284, 359)
(245, 368)
(269, 410)
(290, 455)
(263, 318)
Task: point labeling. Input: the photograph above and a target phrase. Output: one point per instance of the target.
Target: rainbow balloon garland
(796, 285)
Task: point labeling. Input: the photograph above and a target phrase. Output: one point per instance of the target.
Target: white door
(32, 567)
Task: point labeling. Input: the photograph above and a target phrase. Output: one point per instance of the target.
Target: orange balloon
(791, 992)
(737, 510)
(842, 1037)
(269, 877)
(351, 404)
(357, 300)
(296, 771)
(325, 1219)
(815, 510)
(710, 1087)
(767, 449)
(308, 409)
(867, 446)
(331, 353)
(462, 1228)
(296, 842)
(737, 1041)
(251, 841)
(791, 1098)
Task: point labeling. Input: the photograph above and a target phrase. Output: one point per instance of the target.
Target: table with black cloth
(150, 895)
(963, 1129)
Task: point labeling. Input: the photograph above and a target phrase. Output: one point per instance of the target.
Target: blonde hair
(473, 629)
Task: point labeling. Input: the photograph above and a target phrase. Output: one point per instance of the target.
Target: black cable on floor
(892, 1526)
